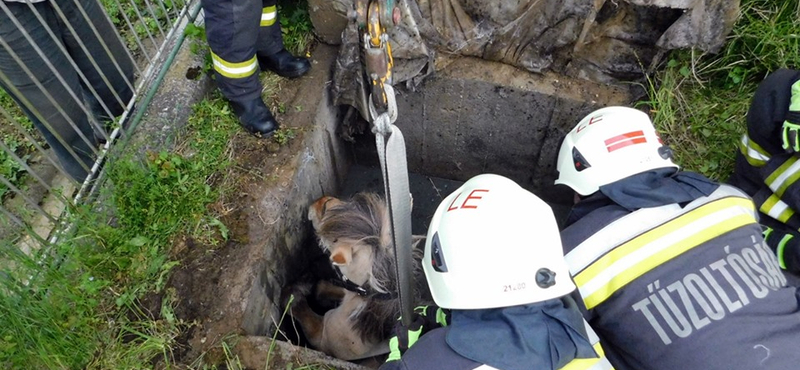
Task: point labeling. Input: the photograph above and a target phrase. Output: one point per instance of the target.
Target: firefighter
(504, 284)
(671, 267)
(245, 37)
(767, 166)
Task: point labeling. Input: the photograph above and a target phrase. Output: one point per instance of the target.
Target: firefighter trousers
(237, 32)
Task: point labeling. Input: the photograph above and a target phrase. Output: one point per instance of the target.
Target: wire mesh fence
(71, 73)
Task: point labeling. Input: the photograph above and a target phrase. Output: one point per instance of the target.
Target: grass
(14, 140)
(700, 101)
(82, 309)
(82, 304)
(296, 26)
(149, 21)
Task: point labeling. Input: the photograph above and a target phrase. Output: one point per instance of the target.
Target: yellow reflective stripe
(784, 176)
(794, 102)
(627, 262)
(598, 363)
(268, 16)
(776, 208)
(753, 153)
(234, 70)
(781, 249)
(394, 349)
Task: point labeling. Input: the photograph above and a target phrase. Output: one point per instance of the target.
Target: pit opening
(473, 117)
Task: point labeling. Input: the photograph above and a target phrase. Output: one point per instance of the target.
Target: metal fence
(71, 73)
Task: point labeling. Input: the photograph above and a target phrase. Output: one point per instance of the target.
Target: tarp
(605, 41)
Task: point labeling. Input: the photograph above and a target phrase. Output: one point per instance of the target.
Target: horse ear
(341, 254)
(317, 210)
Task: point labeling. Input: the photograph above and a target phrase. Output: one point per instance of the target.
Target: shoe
(255, 117)
(284, 64)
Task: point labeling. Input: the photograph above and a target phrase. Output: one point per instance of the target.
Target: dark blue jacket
(687, 285)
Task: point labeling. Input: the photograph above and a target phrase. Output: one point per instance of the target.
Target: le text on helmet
(471, 200)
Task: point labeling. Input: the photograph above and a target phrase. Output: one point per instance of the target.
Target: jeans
(61, 108)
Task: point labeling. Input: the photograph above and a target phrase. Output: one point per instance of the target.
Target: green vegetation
(82, 301)
(142, 19)
(700, 101)
(14, 140)
(295, 25)
(87, 300)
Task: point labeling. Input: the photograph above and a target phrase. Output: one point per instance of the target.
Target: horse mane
(365, 218)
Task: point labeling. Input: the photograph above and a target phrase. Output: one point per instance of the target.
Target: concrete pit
(471, 117)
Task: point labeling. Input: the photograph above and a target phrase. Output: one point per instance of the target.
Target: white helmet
(608, 145)
(493, 244)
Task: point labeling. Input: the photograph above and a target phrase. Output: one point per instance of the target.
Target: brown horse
(357, 236)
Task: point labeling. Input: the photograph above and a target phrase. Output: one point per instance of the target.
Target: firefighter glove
(791, 127)
(791, 141)
(426, 318)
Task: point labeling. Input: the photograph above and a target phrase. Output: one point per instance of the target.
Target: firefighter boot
(284, 64)
(255, 117)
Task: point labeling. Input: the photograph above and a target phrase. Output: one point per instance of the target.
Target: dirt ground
(198, 281)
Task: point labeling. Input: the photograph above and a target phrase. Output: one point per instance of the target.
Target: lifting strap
(373, 18)
(391, 149)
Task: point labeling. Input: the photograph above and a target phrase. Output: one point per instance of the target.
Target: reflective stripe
(590, 334)
(794, 102)
(634, 224)
(753, 153)
(600, 363)
(268, 16)
(776, 208)
(781, 247)
(636, 257)
(784, 176)
(234, 70)
(597, 363)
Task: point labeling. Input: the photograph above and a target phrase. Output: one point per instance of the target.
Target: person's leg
(271, 53)
(232, 33)
(56, 107)
(103, 60)
(270, 39)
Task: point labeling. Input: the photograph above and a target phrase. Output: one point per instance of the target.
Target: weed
(283, 135)
(700, 101)
(199, 45)
(14, 141)
(138, 20)
(77, 305)
(295, 26)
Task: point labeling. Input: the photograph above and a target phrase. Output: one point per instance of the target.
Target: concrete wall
(476, 116)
